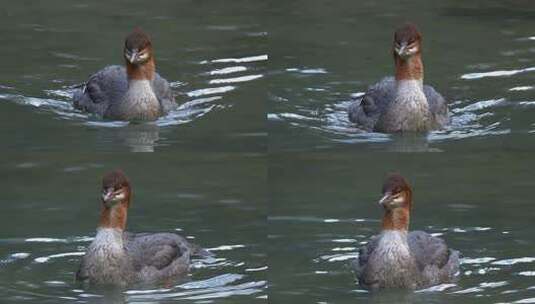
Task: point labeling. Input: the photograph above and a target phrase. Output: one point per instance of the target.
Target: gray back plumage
(158, 256)
(365, 252)
(437, 105)
(428, 250)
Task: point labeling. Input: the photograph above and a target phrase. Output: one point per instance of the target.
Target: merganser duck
(398, 259)
(402, 103)
(134, 93)
(117, 257)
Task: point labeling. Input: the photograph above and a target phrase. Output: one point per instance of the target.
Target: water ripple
(217, 287)
(502, 73)
(228, 70)
(55, 256)
(238, 60)
(514, 261)
(236, 79)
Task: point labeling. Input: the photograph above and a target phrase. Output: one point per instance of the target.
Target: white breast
(106, 260)
(140, 89)
(138, 103)
(107, 242)
(411, 93)
(409, 110)
(393, 245)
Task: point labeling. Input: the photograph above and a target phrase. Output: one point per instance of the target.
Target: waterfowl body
(397, 258)
(402, 103)
(117, 257)
(133, 93)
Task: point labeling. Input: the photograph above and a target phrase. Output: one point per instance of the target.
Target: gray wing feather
(81, 274)
(101, 90)
(437, 263)
(366, 250)
(164, 94)
(437, 105)
(428, 250)
(158, 250)
(360, 263)
(366, 110)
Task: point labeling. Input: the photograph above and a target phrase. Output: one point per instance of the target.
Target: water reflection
(138, 137)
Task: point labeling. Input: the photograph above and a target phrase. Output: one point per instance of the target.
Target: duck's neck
(396, 219)
(144, 71)
(140, 101)
(409, 110)
(409, 69)
(114, 217)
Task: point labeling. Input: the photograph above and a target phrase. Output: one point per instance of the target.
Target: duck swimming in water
(117, 257)
(398, 259)
(402, 103)
(134, 93)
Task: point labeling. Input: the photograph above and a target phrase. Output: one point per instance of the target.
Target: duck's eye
(143, 55)
(119, 194)
(398, 198)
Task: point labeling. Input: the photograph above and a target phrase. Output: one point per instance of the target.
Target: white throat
(393, 244)
(409, 110)
(410, 95)
(108, 239)
(410, 86)
(140, 89)
(139, 102)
